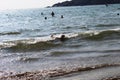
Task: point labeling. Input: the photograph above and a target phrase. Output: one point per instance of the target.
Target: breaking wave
(43, 43)
(48, 74)
(22, 47)
(101, 35)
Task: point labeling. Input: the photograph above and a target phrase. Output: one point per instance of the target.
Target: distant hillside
(85, 2)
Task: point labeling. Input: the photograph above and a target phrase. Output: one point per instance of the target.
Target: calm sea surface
(92, 32)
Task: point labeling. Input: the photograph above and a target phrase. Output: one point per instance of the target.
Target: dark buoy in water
(41, 13)
(45, 18)
(118, 14)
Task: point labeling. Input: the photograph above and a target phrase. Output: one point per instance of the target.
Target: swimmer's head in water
(62, 38)
(45, 18)
(62, 16)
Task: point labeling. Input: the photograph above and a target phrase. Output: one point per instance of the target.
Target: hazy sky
(20, 4)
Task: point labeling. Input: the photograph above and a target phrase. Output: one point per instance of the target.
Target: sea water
(92, 32)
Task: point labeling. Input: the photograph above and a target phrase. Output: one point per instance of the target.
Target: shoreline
(112, 78)
(39, 77)
(28, 76)
(106, 73)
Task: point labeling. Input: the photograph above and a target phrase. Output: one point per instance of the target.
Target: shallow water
(92, 32)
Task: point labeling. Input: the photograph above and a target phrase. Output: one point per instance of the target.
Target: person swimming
(62, 16)
(61, 38)
(53, 14)
(41, 13)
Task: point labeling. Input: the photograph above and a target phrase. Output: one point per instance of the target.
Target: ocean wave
(34, 44)
(22, 47)
(10, 33)
(96, 34)
(48, 42)
(101, 35)
(60, 53)
(107, 25)
(29, 30)
(84, 53)
(47, 74)
(27, 59)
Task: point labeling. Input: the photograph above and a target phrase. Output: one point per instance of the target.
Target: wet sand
(110, 73)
